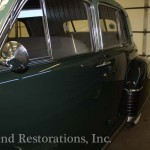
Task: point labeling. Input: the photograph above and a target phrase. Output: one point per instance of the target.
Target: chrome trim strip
(74, 45)
(101, 45)
(95, 29)
(129, 119)
(13, 15)
(14, 12)
(19, 6)
(6, 18)
(105, 63)
(118, 26)
(46, 29)
(9, 81)
(54, 66)
(92, 25)
(133, 90)
(36, 74)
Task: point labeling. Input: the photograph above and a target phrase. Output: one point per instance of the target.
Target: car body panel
(75, 110)
(78, 95)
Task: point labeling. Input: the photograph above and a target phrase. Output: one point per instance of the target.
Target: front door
(76, 94)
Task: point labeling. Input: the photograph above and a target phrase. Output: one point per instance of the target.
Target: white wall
(137, 22)
(131, 3)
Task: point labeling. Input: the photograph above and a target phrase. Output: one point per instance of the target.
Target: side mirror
(15, 56)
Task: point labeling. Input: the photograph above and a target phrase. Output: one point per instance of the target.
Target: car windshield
(5, 9)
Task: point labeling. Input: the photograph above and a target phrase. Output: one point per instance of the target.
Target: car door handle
(105, 63)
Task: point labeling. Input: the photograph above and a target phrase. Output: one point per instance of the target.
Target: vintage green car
(70, 75)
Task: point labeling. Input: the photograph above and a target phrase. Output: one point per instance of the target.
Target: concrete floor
(136, 138)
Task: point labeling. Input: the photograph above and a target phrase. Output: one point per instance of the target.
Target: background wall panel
(131, 3)
(136, 18)
(138, 39)
(139, 14)
(148, 45)
(149, 20)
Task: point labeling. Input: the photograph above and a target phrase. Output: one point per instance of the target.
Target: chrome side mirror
(15, 56)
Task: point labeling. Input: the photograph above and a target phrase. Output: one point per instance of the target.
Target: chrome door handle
(105, 63)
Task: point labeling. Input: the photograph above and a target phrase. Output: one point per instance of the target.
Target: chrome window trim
(6, 19)
(93, 28)
(13, 13)
(130, 91)
(118, 26)
(46, 29)
(101, 45)
(91, 13)
(124, 18)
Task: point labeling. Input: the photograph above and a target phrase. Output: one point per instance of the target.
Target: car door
(52, 97)
(70, 95)
(115, 41)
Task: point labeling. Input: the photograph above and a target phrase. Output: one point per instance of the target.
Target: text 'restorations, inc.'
(64, 139)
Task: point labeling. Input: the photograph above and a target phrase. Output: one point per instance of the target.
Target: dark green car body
(76, 95)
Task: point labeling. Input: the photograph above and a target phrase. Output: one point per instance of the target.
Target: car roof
(110, 2)
(4, 16)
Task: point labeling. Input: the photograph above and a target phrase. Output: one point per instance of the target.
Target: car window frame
(92, 21)
(120, 43)
(127, 28)
(13, 17)
(90, 11)
(45, 27)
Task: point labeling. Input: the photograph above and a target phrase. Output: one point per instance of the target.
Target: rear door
(115, 44)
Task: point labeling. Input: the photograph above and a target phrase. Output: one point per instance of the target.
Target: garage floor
(136, 138)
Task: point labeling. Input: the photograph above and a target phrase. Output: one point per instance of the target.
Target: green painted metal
(6, 7)
(68, 96)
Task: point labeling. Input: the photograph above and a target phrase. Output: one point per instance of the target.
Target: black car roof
(111, 2)
(35, 4)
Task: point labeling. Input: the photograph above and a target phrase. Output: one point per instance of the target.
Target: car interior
(63, 43)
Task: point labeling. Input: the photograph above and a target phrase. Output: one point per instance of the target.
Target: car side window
(113, 30)
(124, 30)
(76, 26)
(19, 30)
(109, 26)
(69, 28)
(28, 30)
